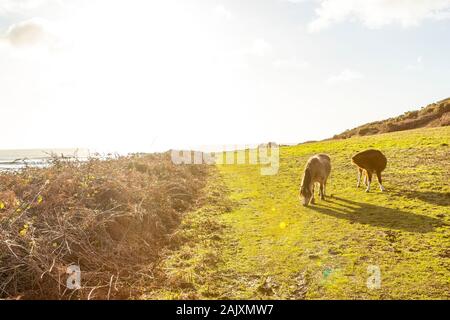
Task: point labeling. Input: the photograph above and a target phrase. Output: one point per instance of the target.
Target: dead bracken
(110, 217)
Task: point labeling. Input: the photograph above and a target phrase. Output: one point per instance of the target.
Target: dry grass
(112, 218)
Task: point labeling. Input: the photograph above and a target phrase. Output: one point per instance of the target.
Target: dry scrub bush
(110, 217)
(434, 115)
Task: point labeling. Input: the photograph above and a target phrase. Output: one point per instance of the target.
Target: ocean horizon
(15, 159)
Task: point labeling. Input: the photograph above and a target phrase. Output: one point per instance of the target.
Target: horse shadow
(435, 198)
(378, 216)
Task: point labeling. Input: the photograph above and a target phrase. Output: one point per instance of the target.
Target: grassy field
(254, 239)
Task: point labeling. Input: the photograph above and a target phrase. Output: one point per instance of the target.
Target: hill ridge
(433, 115)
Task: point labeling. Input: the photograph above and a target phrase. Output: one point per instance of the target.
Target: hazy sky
(139, 75)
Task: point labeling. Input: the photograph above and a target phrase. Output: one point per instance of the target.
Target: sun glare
(137, 76)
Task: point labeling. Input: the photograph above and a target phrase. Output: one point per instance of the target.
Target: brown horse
(317, 169)
(368, 162)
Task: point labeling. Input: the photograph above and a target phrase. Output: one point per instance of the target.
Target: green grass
(255, 240)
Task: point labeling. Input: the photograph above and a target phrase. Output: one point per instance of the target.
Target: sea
(13, 160)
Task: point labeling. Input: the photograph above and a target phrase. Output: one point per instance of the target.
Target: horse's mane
(306, 178)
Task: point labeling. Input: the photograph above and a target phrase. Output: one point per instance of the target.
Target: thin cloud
(292, 63)
(17, 6)
(295, 1)
(260, 48)
(378, 13)
(31, 33)
(346, 75)
(222, 12)
(418, 66)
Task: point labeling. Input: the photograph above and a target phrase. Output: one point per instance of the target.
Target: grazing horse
(317, 169)
(368, 162)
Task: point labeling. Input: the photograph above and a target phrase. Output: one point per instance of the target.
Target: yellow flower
(2, 205)
(39, 199)
(283, 225)
(23, 232)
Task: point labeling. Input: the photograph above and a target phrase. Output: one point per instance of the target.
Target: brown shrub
(445, 120)
(111, 218)
(434, 115)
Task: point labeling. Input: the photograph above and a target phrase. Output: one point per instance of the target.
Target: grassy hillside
(254, 239)
(434, 115)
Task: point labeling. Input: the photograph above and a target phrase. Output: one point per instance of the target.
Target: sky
(138, 75)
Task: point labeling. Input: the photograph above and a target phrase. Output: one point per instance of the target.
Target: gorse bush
(109, 217)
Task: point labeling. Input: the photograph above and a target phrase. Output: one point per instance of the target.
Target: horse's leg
(369, 178)
(322, 191)
(379, 181)
(313, 201)
(360, 171)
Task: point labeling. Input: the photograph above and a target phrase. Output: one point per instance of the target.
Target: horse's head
(305, 194)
